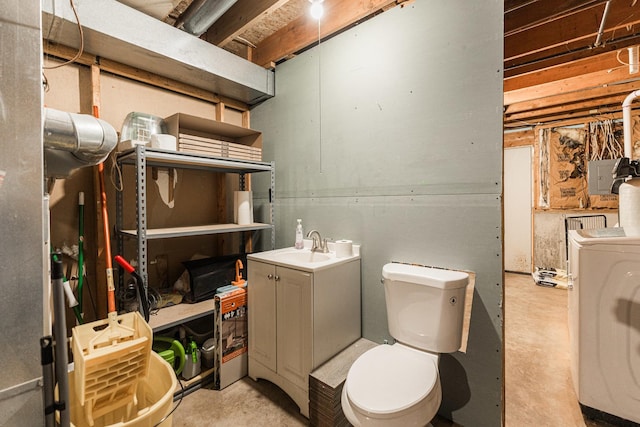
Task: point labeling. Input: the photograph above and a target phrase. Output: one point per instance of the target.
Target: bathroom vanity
(303, 308)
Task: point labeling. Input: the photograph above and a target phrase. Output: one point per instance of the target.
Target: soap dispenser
(299, 235)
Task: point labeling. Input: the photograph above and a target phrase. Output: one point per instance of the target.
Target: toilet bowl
(399, 384)
(392, 385)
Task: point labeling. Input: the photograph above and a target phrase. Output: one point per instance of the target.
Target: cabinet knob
(269, 276)
(277, 278)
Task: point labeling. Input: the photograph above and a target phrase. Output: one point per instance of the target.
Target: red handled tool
(142, 292)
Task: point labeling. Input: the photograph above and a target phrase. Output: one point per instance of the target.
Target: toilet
(399, 384)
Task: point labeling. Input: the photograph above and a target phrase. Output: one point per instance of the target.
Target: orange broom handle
(111, 289)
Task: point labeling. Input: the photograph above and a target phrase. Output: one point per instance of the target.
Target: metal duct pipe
(626, 123)
(72, 141)
(602, 22)
(201, 15)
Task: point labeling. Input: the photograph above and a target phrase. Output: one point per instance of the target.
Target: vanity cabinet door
(294, 324)
(261, 306)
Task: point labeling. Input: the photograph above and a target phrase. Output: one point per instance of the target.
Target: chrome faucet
(317, 245)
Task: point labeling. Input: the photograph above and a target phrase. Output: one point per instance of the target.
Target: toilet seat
(390, 379)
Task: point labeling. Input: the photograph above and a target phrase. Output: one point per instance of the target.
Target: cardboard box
(232, 336)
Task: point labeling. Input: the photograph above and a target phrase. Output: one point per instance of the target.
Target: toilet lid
(390, 378)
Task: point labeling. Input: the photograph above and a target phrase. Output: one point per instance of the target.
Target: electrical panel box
(601, 176)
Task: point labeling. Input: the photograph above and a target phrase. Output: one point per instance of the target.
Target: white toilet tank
(425, 306)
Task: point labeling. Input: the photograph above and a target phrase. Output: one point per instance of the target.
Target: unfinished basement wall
(549, 233)
(390, 134)
(70, 89)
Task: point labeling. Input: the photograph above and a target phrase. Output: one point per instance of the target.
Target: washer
(604, 320)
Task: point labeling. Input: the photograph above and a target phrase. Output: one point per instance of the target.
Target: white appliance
(399, 384)
(604, 320)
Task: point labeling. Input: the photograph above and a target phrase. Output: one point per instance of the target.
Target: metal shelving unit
(142, 157)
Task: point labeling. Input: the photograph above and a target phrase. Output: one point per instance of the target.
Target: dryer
(604, 320)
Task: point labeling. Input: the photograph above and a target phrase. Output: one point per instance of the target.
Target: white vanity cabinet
(299, 319)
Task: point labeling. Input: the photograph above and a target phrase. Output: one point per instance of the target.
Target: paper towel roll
(344, 248)
(243, 207)
(629, 208)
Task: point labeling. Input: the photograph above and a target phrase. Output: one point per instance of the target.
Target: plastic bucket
(154, 394)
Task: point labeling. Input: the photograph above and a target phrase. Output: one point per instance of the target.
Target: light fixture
(316, 9)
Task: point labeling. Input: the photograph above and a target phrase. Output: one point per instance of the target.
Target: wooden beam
(622, 89)
(587, 81)
(302, 32)
(592, 106)
(220, 107)
(512, 5)
(142, 76)
(568, 117)
(242, 15)
(606, 61)
(232, 103)
(518, 139)
(568, 56)
(65, 52)
(531, 14)
(246, 119)
(582, 27)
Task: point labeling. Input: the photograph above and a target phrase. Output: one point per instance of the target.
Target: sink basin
(304, 259)
(305, 256)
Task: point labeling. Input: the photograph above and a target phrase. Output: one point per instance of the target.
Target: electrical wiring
(603, 143)
(116, 176)
(81, 49)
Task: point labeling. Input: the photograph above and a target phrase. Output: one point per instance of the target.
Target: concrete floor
(538, 385)
(538, 389)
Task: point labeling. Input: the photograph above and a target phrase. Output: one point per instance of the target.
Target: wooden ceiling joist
(575, 32)
(603, 62)
(576, 116)
(529, 14)
(574, 84)
(597, 94)
(568, 57)
(591, 105)
(303, 31)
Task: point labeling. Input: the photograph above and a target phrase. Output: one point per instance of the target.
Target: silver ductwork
(72, 141)
(143, 42)
(201, 15)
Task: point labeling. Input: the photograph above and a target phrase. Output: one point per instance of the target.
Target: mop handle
(111, 289)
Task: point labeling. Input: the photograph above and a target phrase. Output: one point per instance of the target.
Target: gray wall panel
(390, 134)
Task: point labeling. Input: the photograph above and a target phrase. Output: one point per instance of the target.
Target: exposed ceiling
(267, 31)
(568, 59)
(563, 59)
